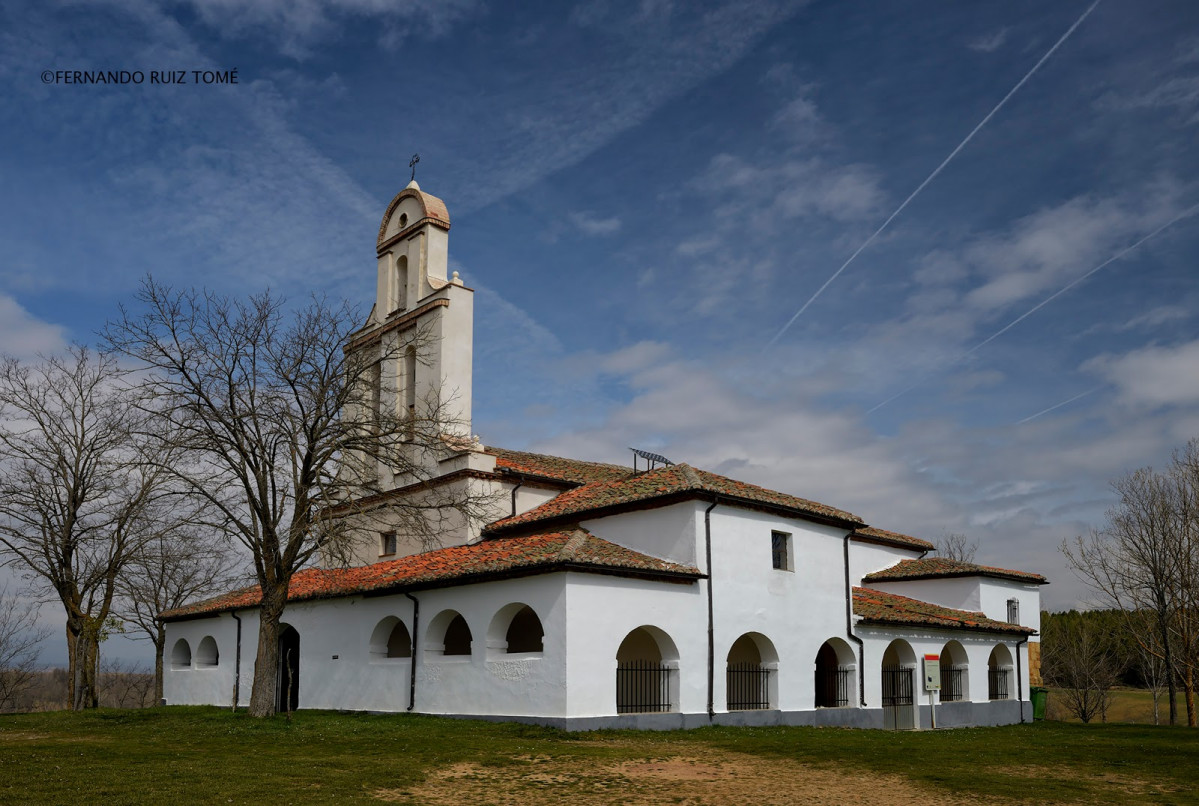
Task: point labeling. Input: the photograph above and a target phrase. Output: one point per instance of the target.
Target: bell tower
(422, 323)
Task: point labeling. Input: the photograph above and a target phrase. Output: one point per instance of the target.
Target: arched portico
(955, 673)
(646, 672)
(999, 674)
(834, 681)
(750, 674)
(899, 686)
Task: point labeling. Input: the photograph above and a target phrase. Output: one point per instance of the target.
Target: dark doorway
(287, 687)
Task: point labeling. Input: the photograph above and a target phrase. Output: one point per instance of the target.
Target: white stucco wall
(489, 681)
(797, 610)
(671, 532)
(195, 684)
(866, 558)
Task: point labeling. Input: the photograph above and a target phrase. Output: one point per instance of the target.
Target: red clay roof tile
(575, 549)
(872, 535)
(941, 567)
(599, 496)
(574, 471)
(877, 607)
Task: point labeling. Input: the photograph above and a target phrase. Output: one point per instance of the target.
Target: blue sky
(644, 193)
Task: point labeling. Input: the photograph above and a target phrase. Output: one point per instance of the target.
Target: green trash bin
(1040, 696)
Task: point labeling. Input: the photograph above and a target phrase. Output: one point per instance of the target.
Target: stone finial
(455, 279)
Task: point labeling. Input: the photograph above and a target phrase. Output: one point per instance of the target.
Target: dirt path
(705, 778)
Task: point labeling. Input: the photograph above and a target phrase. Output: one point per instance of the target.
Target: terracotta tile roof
(574, 471)
(870, 534)
(876, 607)
(576, 549)
(941, 567)
(602, 497)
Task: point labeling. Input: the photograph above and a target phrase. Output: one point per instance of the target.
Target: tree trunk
(91, 671)
(160, 643)
(1188, 687)
(266, 662)
(1171, 684)
(70, 703)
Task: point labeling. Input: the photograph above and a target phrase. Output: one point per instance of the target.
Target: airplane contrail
(1190, 211)
(1059, 405)
(934, 174)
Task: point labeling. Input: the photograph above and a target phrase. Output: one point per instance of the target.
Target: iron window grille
(747, 686)
(997, 684)
(642, 687)
(951, 683)
(832, 687)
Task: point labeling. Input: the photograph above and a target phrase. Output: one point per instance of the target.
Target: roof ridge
(572, 545)
(691, 475)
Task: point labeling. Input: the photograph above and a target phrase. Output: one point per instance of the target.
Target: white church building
(600, 595)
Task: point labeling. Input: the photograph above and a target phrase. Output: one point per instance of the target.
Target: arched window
(390, 639)
(515, 629)
(749, 673)
(646, 672)
(955, 677)
(401, 282)
(206, 652)
(410, 390)
(835, 667)
(181, 655)
(447, 635)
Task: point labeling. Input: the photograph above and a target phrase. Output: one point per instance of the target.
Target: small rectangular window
(387, 543)
(1013, 611)
(780, 550)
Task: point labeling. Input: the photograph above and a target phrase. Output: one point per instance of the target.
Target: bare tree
(956, 546)
(19, 639)
(182, 563)
(124, 684)
(1080, 660)
(74, 489)
(284, 427)
(1148, 657)
(1145, 561)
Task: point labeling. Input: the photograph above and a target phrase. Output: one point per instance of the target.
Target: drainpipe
(412, 660)
(849, 627)
(237, 663)
(711, 636)
(1020, 678)
(519, 484)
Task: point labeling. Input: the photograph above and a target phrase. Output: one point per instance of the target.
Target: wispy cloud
(296, 26)
(989, 43)
(934, 174)
(591, 224)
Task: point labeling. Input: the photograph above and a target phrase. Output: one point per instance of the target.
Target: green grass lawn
(208, 755)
